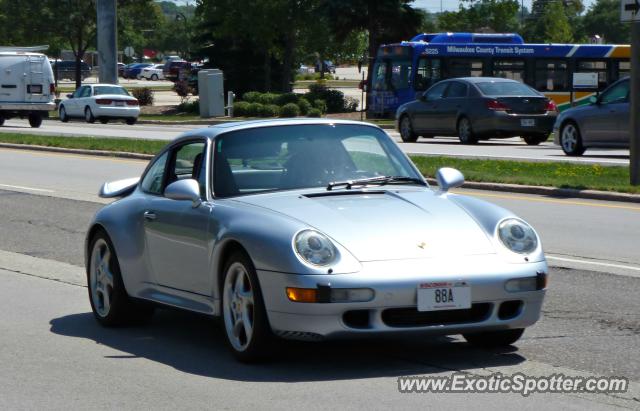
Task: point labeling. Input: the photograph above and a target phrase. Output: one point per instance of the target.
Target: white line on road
(542, 159)
(44, 190)
(600, 264)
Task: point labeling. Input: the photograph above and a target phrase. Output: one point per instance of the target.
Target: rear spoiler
(118, 188)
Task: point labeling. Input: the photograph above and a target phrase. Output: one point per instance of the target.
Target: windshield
(303, 156)
(100, 90)
(506, 88)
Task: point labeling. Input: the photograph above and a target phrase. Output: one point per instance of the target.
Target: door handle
(149, 215)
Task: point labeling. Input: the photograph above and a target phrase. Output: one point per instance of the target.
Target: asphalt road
(512, 148)
(51, 344)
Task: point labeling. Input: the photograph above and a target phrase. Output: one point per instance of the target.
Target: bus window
(511, 69)
(465, 68)
(380, 75)
(624, 69)
(400, 74)
(594, 66)
(428, 73)
(551, 75)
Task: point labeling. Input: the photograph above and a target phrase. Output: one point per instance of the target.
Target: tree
(555, 24)
(482, 15)
(603, 18)
(553, 21)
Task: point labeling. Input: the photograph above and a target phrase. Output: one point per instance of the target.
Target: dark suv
(171, 69)
(66, 69)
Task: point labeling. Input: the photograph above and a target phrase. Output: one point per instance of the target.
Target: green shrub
(314, 112)
(290, 110)
(318, 89)
(351, 104)
(268, 98)
(189, 107)
(320, 105)
(251, 96)
(334, 99)
(269, 110)
(240, 108)
(304, 105)
(254, 109)
(182, 89)
(144, 95)
(287, 98)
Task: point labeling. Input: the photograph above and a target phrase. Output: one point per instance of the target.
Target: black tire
(406, 130)
(256, 346)
(571, 139)
(121, 309)
(104, 120)
(1, 121)
(35, 120)
(154, 77)
(88, 115)
(131, 121)
(465, 131)
(62, 113)
(494, 339)
(535, 139)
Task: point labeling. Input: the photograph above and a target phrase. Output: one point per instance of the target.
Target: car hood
(384, 224)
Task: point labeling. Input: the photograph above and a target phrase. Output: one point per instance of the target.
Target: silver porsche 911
(310, 229)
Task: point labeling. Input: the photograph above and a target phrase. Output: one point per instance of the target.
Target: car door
(428, 116)
(602, 125)
(72, 105)
(452, 103)
(178, 240)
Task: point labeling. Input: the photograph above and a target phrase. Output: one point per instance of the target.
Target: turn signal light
(132, 102)
(551, 106)
(302, 295)
(495, 105)
(52, 88)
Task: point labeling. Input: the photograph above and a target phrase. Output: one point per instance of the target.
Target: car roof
(103, 84)
(215, 130)
(485, 79)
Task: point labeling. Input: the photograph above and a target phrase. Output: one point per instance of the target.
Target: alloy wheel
(569, 138)
(238, 307)
(101, 278)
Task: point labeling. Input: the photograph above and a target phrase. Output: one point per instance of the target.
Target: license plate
(119, 103)
(437, 296)
(527, 122)
(34, 88)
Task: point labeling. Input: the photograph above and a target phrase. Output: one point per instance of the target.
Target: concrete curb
(511, 188)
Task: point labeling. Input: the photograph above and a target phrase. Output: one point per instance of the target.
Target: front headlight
(517, 236)
(315, 248)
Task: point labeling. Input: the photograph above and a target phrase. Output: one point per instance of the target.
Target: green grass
(562, 175)
(87, 143)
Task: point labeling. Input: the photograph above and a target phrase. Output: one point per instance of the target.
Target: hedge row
(246, 109)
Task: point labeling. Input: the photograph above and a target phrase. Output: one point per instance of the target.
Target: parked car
(121, 67)
(66, 69)
(103, 102)
(172, 69)
(602, 123)
(28, 85)
(310, 229)
(153, 72)
(133, 71)
(327, 67)
(477, 108)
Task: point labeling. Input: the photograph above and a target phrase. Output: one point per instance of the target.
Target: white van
(27, 86)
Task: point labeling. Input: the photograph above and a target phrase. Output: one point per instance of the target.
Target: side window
(86, 92)
(78, 92)
(456, 89)
(616, 94)
(188, 162)
(152, 181)
(436, 92)
(428, 73)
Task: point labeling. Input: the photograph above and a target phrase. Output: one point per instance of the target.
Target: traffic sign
(129, 51)
(629, 10)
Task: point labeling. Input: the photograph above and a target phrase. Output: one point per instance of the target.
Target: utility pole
(107, 41)
(634, 110)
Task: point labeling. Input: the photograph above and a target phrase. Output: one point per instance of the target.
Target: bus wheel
(465, 132)
(35, 120)
(406, 130)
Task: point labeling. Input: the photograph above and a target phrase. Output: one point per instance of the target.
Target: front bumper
(504, 124)
(393, 307)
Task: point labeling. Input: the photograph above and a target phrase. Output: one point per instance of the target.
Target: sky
(450, 5)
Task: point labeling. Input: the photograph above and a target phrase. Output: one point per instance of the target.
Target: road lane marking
(571, 260)
(44, 190)
(523, 158)
(549, 200)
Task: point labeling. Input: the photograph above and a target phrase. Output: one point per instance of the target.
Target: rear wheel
(88, 115)
(494, 339)
(406, 130)
(1, 121)
(243, 311)
(109, 300)
(571, 140)
(534, 139)
(62, 113)
(35, 120)
(154, 77)
(465, 132)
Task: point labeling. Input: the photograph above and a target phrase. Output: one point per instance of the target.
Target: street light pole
(107, 41)
(634, 110)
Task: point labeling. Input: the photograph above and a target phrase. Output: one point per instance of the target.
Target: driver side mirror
(423, 97)
(187, 189)
(449, 178)
(594, 100)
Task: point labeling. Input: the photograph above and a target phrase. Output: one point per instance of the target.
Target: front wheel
(494, 339)
(154, 77)
(534, 140)
(35, 120)
(62, 113)
(465, 131)
(571, 140)
(88, 115)
(243, 311)
(406, 130)
(1, 121)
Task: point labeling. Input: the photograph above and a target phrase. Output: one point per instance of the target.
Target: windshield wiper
(382, 180)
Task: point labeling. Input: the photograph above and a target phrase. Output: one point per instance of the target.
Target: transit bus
(404, 70)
